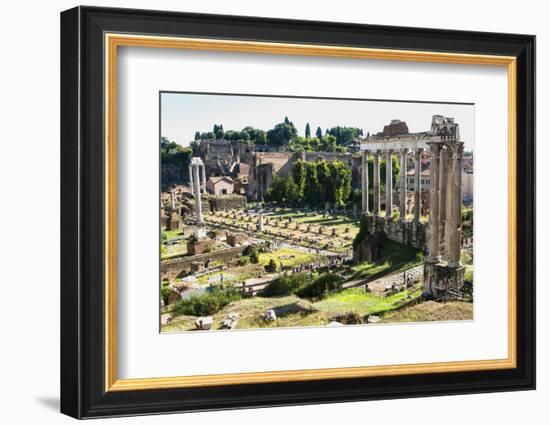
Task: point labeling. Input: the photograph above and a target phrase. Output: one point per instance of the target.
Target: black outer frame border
(82, 206)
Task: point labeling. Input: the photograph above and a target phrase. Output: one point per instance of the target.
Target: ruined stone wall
(170, 269)
(409, 233)
(227, 202)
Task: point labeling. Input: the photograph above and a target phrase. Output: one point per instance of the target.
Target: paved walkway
(384, 283)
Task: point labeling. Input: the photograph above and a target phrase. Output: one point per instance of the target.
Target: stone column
(172, 201)
(389, 183)
(376, 183)
(444, 168)
(453, 227)
(403, 185)
(433, 223)
(191, 179)
(417, 199)
(203, 179)
(198, 206)
(365, 182)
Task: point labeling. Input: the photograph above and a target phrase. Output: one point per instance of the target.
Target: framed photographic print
(261, 212)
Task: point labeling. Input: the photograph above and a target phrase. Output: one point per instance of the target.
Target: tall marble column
(365, 182)
(172, 201)
(417, 172)
(191, 179)
(453, 227)
(433, 223)
(198, 206)
(376, 183)
(389, 183)
(203, 179)
(444, 167)
(403, 185)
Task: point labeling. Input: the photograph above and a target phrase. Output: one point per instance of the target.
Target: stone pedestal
(443, 281)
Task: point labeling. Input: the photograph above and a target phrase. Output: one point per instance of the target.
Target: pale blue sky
(182, 114)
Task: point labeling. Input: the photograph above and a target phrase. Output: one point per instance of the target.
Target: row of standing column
(445, 220)
(202, 185)
(389, 183)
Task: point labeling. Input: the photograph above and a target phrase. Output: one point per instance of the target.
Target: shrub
(243, 261)
(164, 292)
(348, 318)
(285, 285)
(253, 253)
(208, 303)
(323, 284)
(271, 266)
(466, 258)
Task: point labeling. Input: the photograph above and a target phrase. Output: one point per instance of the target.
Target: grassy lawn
(363, 303)
(431, 311)
(291, 311)
(288, 257)
(171, 234)
(399, 257)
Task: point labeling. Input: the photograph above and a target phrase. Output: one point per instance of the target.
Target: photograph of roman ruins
(281, 212)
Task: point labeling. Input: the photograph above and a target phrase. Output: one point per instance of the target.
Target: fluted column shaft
(389, 184)
(198, 206)
(365, 181)
(403, 185)
(203, 179)
(376, 183)
(433, 223)
(417, 200)
(444, 170)
(454, 212)
(191, 180)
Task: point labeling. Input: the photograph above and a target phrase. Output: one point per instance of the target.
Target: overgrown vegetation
(313, 183)
(174, 160)
(320, 286)
(303, 285)
(208, 303)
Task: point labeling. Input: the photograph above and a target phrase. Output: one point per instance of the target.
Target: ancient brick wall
(227, 202)
(170, 269)
(409, 233)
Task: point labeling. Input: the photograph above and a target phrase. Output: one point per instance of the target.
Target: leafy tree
(319, 133)
(174, 160)
(323, 181)
(345, 135)
(299, 176)
(218, 131)
(308, 131)
(258, 136)
(340, 182)
(197, 135)
(232, 135)
(311, 188)
(328, 143)
(282, 134)
(283, 190)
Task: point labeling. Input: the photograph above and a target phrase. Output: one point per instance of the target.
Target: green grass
(288, 257)
(171, 234)
(431, 311)
(363, 303)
